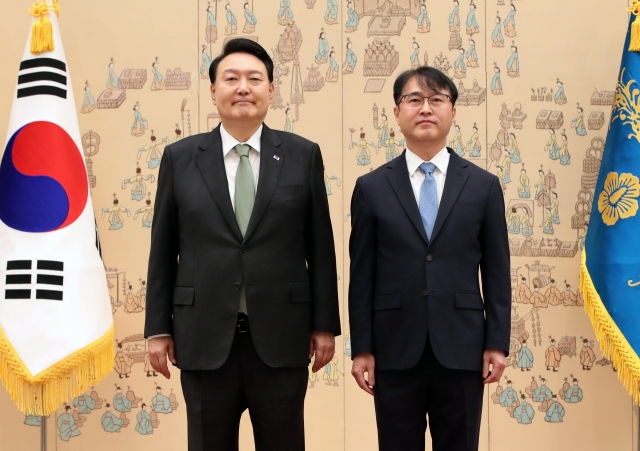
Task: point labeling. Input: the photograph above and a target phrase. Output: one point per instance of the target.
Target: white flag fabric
(56, 327)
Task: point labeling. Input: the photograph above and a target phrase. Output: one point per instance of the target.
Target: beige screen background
(572, 44)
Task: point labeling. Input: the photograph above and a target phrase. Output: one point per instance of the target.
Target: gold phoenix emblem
(618, 198)
(626, 105)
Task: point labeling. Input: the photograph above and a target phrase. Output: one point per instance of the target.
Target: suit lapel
(210, 162)
(455, 180)
(398, 177)
(271, 161)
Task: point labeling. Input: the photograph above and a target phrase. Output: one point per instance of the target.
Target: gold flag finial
(42, 30)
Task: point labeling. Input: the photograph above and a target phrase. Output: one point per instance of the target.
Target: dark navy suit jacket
(404, 286)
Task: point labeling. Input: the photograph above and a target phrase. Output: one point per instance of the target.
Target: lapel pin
(277, 158)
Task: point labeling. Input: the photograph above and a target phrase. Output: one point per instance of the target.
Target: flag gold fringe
(43, 393)
(42, 30)
(613, 344)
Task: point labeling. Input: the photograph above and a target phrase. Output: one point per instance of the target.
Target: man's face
(425, 124)
(242, 90)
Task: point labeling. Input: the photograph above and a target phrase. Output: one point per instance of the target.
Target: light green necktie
(244, 199)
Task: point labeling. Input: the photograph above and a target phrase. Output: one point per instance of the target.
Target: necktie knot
(427, 168)
(243, 150)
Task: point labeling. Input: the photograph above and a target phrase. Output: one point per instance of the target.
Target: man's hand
(324, 345)
(497, 360)
(159, 347)
(364, 363)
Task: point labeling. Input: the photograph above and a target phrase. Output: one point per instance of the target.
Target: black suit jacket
(199, 258)
(404, 286)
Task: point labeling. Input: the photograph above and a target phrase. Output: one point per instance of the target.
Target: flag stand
(43, 433)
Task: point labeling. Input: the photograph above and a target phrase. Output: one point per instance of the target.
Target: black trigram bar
(42, 90)
(17, 294)
(18, 264)
(49, 294)
(18, 279)
(48, 280)
(42, 76)
(43, 62)
(50, 265)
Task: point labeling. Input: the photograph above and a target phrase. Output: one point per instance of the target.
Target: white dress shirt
(416, 176)
(231, 161)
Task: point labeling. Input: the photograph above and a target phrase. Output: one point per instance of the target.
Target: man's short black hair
(428, 78)
(242, 45)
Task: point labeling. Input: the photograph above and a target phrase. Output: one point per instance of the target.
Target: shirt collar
(229, 142)
(440, 160)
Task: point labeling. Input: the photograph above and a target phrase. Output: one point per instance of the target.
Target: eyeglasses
(415, 101)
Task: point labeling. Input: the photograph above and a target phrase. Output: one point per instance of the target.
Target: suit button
(244, 250)
(425, 292)
(237, 285)
(429, 257)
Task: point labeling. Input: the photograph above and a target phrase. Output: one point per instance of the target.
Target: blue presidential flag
(610, 271)
(56, 327)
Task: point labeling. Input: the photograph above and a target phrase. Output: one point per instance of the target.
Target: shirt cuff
(157, 336)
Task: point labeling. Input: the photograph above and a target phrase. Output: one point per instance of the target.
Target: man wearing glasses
(424, 337)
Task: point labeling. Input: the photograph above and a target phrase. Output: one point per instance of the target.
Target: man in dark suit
(422, 226)
(242, 270)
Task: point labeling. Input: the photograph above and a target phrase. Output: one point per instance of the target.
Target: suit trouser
(452, 400)
(216, 400)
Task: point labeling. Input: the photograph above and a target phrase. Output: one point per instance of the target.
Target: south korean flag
(56, 327)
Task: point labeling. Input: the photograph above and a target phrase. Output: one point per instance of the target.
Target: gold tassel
(634, 40)
(613, 343)
(43, 393)
(42, 30)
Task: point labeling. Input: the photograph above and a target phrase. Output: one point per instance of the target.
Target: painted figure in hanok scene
(459, 67)
(115, 214)
(251, 21)
(323, 48)
(578, 122)
(472, 55)
(160, 403)
(143, 420)
(139, 123)
(574, 393)
(158, 79)
(555, 413)
(88, 103)
(155, 154)
(331, 75)
(513, 64)
(285, 15)
(138, 187)
(110, 422)
(456, 142)
(552, 356)
(560, 97)
(112, 80)
(394, 147)
(331, 14)
(147, 213)
(473, 145)
(496, 36)
(424, 24)
(565, 156)
(363, 157)
(454, 17)
(526, 227)
(472, 23)
(350, 59)
(415, 57)
(354, 19)
(513, 222)
(496, 82)
(587, 356)
(524, 413)
(206, 62)
(510, 22)
(67, 427)
(232, 23)
(123, 362)
(523, 187)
